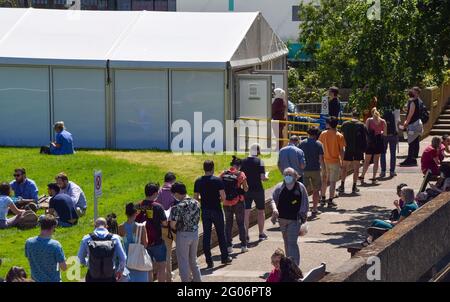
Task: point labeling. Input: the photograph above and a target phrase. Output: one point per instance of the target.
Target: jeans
(391, 141)
(413, 149)
(210, 217)
(187, 245)
(290, 230)
(230, 211)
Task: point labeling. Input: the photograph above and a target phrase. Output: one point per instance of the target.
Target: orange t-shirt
(333, 142)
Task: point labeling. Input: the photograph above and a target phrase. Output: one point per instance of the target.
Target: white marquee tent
(119, 79)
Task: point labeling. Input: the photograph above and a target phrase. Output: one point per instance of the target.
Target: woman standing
(377, 128)
(128, 231)
(290, 206)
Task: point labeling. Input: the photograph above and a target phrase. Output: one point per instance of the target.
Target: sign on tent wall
(24, 103)
(79, 101)
(141, 109)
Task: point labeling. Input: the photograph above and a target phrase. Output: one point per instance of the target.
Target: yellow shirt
(333, 142)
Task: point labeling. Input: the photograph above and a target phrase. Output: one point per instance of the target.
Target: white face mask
(288, 179)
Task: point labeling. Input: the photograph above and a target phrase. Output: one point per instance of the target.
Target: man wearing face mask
(414, 126)
(290, 206)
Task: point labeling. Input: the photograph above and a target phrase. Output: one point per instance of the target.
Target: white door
(253, 110)
(279, 79)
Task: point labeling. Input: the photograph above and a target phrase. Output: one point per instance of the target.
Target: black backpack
(424, 113)
(101, 257)
(230, 181)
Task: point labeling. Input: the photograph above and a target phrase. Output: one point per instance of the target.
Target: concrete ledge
(407, 251)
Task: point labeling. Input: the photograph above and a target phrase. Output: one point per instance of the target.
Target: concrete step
(447, 110)
(441, 126)
(444, 116)
(443, 121)
(439, 131)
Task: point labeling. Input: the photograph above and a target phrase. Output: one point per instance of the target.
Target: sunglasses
(17, 175)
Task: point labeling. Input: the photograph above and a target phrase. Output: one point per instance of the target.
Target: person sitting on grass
(45, 255)
(275, 274)
(61, 206)
(17, 274)
(74, 191)
(25, 189)
(6, 204)
(379, 226)
(432, 157)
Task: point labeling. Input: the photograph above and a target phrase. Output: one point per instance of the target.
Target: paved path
(327, 233)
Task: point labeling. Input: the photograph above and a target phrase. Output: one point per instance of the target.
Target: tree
(382, 56)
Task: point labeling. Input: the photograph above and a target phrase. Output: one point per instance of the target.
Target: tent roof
(135, 39)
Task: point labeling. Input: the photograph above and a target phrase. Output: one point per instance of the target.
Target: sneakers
(331, 203)
(341, 189)
(355, 189)
(323, 201)
(314, 215)
(244, 249)
(262, 237)
(382, 174)
(230, 250)
(392, 174)
(227, 260)
(408, 163)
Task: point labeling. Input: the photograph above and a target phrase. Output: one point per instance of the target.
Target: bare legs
(368, 158)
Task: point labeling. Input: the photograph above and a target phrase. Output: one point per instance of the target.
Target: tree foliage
(380, 57)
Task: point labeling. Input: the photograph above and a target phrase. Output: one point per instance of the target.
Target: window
(154, 5)
(295, 13)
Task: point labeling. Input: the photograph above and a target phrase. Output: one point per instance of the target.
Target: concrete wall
(407, 251)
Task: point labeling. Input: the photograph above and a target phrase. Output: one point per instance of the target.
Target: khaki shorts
(333, 171)
(312, 180)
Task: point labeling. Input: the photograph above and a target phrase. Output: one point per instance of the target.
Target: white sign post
(324, 105)
(97, 191)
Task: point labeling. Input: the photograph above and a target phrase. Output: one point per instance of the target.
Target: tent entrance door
(253, 110)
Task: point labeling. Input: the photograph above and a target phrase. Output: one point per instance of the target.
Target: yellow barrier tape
(298, 132)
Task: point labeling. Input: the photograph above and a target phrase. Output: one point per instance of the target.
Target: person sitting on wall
(63, 143)
(432, 157)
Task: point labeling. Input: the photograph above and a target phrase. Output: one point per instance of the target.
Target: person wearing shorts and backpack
(98, 252)
(235, 183)
(154, 217)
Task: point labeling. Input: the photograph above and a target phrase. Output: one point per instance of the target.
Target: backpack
(28, 220)
(230, 181)
(101, 256)
(424, 113)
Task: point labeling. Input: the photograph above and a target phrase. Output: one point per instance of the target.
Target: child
(275, 274)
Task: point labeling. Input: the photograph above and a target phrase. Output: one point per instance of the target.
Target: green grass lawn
(125, 174)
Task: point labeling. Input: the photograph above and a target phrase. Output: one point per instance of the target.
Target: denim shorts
(157, 252)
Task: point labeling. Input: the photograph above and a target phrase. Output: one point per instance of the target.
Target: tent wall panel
(198, 91)
(141, 109)
(79, 101)
(24, 103)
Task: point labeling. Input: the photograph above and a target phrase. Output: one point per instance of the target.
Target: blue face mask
(288, 179)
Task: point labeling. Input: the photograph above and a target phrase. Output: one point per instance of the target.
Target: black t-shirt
(63, 205)
(209, 189)
(253, 167)
(153, 214)
(334, 107)
(416, 114)
(389, 117)
(289, 203)
(355, 136)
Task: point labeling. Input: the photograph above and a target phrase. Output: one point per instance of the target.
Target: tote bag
(138, 258)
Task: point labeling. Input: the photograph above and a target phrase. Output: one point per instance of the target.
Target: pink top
(377, 128)
(274, 276)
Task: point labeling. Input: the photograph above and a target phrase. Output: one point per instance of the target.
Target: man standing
(61, 206)
(414, 126)
(313, 150)
(102, 249)
(152, 213)
(74, 191)
(333, 143)
(166, 199)
(292, 157)
(210, 191)
(45, 255)
(355, 144)
(184, 219)
(334, 105)
(24, 188)
(391, 140)
(254, 169)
